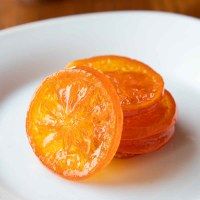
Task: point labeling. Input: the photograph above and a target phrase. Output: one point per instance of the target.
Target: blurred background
(15, 12)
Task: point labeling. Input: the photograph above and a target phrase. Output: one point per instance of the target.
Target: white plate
(170, 43)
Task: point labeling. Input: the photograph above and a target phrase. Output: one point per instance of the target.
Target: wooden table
(14, 12)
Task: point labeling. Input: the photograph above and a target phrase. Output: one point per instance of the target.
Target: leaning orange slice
(74, 122)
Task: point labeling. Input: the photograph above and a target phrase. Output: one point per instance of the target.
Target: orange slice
(74, 122)
(151, 122)
(137, 85)
(130, 148)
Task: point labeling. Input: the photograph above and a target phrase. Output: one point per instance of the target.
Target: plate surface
(169, 43)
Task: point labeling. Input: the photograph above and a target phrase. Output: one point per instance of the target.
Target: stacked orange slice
(138, 86)
(95, 109)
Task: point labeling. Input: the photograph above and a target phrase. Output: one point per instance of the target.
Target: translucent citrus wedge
(74, 122)
(137, 85)
(130, 148)
(155, 120)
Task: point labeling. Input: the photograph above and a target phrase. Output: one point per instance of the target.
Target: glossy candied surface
(129, 148)
(74, 122)
(151, 122)
(137, 84)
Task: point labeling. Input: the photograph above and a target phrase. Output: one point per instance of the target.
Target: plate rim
(38, 23)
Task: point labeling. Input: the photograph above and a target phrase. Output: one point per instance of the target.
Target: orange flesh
(151, 122)
(138, 85)
(132, 88)
(74, 122)
(129, 148)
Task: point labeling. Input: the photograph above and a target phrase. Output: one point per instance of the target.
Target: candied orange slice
(137, 85)
(152, 121)
(74, 122)
(130, 148)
